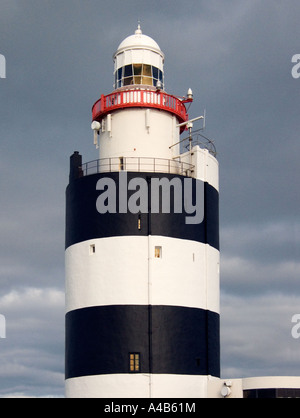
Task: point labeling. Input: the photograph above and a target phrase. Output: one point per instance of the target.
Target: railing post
(102, 102)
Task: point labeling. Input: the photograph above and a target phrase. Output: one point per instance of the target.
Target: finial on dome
(138, 31)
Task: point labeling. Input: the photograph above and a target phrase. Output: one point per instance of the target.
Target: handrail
(139, 98)
(136, 164)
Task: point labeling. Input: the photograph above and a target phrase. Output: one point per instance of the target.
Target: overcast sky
(236, 56)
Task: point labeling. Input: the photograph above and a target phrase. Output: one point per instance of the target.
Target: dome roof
(140, 41)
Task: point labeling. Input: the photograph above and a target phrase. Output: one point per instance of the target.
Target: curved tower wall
(142, 276)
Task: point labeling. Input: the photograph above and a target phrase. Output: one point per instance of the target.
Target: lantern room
(138, 61)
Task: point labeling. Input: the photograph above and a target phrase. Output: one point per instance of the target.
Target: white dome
(138, 61)
(140, 41)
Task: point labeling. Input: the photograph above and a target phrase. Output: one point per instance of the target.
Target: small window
(160, 76)
(128, 70)
(137, 68)
(147, 70)
(92, 249)
(128, 81)
(158, 252)
(121, 166)
(155, 72)
(147, 81)
(137, 80)
(128, 75)
(134, 362)
(118, 77)
(120, 73)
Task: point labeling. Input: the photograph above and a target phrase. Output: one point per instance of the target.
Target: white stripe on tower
(126, 281)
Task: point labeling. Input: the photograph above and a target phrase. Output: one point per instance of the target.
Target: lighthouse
(142, 243)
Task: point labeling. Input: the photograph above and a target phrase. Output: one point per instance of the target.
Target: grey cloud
(256, 335)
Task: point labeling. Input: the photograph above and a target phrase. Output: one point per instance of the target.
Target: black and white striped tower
(142, 245)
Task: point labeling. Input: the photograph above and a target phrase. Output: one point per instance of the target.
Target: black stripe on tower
(183, 340)
(83, 222)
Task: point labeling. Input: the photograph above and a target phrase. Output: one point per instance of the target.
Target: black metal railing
(136, 164)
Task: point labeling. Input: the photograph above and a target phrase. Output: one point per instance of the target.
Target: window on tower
(134, 362)
(158, 252)
(128, 79)
(128, 70)
(143, 74)
(155, 73)
(137, 69)
(121, 164)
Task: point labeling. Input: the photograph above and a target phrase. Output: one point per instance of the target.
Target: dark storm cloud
(236, 56)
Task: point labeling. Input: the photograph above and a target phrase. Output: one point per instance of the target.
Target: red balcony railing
(140, 98)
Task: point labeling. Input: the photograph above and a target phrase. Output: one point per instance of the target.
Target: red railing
(140, 98)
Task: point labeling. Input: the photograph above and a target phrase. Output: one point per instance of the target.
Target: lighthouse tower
(142, 244)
